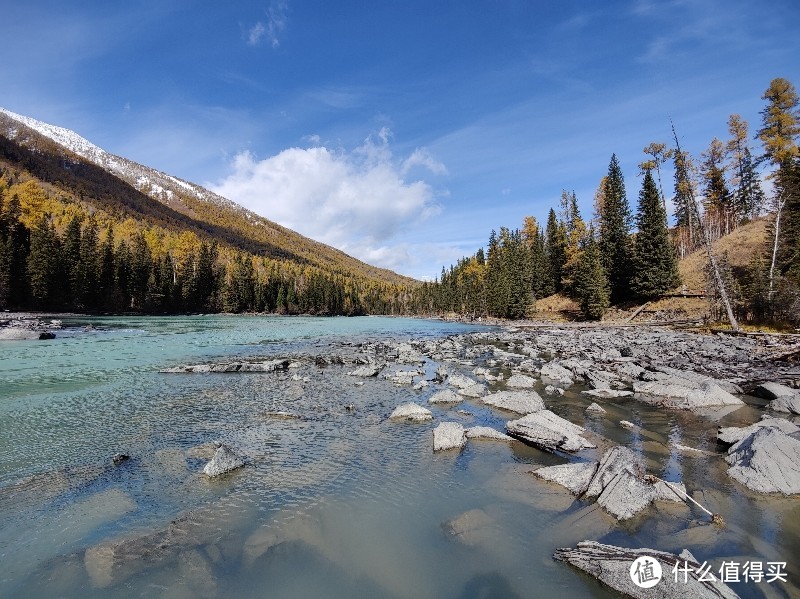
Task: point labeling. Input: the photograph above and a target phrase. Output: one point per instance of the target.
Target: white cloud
(255, 34)
(357, 201)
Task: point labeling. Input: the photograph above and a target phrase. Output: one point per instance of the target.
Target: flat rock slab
(449, 435)
(614, 461)
(411, 411)
(731, 434)
(486, 432)
(445, 396)
(607, 393)
(546, 430)
(671, 395)
(519, 402)
(626, 495)
(520, 381)
(225, 459)
(767, 461)
(231, 367)
(575, 477)
(611, 565)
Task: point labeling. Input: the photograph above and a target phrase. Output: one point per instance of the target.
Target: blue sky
(400, 132)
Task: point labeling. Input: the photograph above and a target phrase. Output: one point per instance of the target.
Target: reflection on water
(338, 502)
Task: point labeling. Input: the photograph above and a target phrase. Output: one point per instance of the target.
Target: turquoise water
(340, 502)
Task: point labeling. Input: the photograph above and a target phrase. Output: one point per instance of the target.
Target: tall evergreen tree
(43, 265)
(719, 214)
(615, 229)
(591, 285)
(655, 266)
(748, 197)
(556, 238)
(686, 217)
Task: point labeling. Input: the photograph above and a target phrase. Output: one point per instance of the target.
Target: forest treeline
(63, 249)
(619, 256)
(63, 256)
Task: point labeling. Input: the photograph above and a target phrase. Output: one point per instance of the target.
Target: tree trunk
(780, 204)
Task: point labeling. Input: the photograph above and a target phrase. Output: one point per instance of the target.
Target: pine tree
(591, 285)
(71, 257)
(719, 213)
(43, 264)
(15, 255)
(556, 235)
(615, 229)
(655, 266)
(686, 217)
(748, 197)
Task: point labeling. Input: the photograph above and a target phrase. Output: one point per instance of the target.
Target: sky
(399, 132)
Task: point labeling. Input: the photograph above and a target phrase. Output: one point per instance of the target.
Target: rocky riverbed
(588, 443)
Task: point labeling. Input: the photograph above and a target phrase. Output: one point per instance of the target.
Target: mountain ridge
(251, 232)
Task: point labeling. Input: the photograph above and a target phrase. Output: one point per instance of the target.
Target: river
(338, 501)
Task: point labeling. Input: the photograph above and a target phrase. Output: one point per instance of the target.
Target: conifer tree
(719, 214)
(43, 264)
(615, 229)
(655, 266)
(591, 285)
(686, 217)
(556, 237)
(748, 197)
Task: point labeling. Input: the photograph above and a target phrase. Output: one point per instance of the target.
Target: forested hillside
(116, 236)
(623, 257)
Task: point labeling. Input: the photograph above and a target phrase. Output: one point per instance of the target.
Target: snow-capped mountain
(62, 158)
(159, 186)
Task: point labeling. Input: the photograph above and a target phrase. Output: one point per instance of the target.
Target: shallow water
(340, 502)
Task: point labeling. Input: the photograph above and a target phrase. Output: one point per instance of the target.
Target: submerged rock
(225, 459)
(519, 402)
(767, 461)
(546, 430)
(470, 527)
(449, 435)
(611, 565)
(411, 411)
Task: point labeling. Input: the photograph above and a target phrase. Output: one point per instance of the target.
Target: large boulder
(411, 411)
(612, 566)
(789, 404)
(770, 390)
(550, 432)
(767, 461)
(520, 402)
(626, 495)
(614, 461)
(225, 459)
(449, 435)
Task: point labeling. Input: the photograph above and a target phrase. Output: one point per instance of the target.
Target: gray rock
(367, 371)
(449, 435)
(597, 409)
(445, 396)
(519, 402)
(552, 390)
(411, 411)
(767, 461)
(611, 565)
(674, 491)
(773, 391)
(520, 381)
(486, 432)
(575, 477)
(789, 404)
(476, 390)
(460, 381)
(625, 495)
(225, 459)
(614, 461)
(732, 434)
(232, 367)
(553, 373)
(470, 528)
(706, 393)
(546, 430)
(607, 393)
